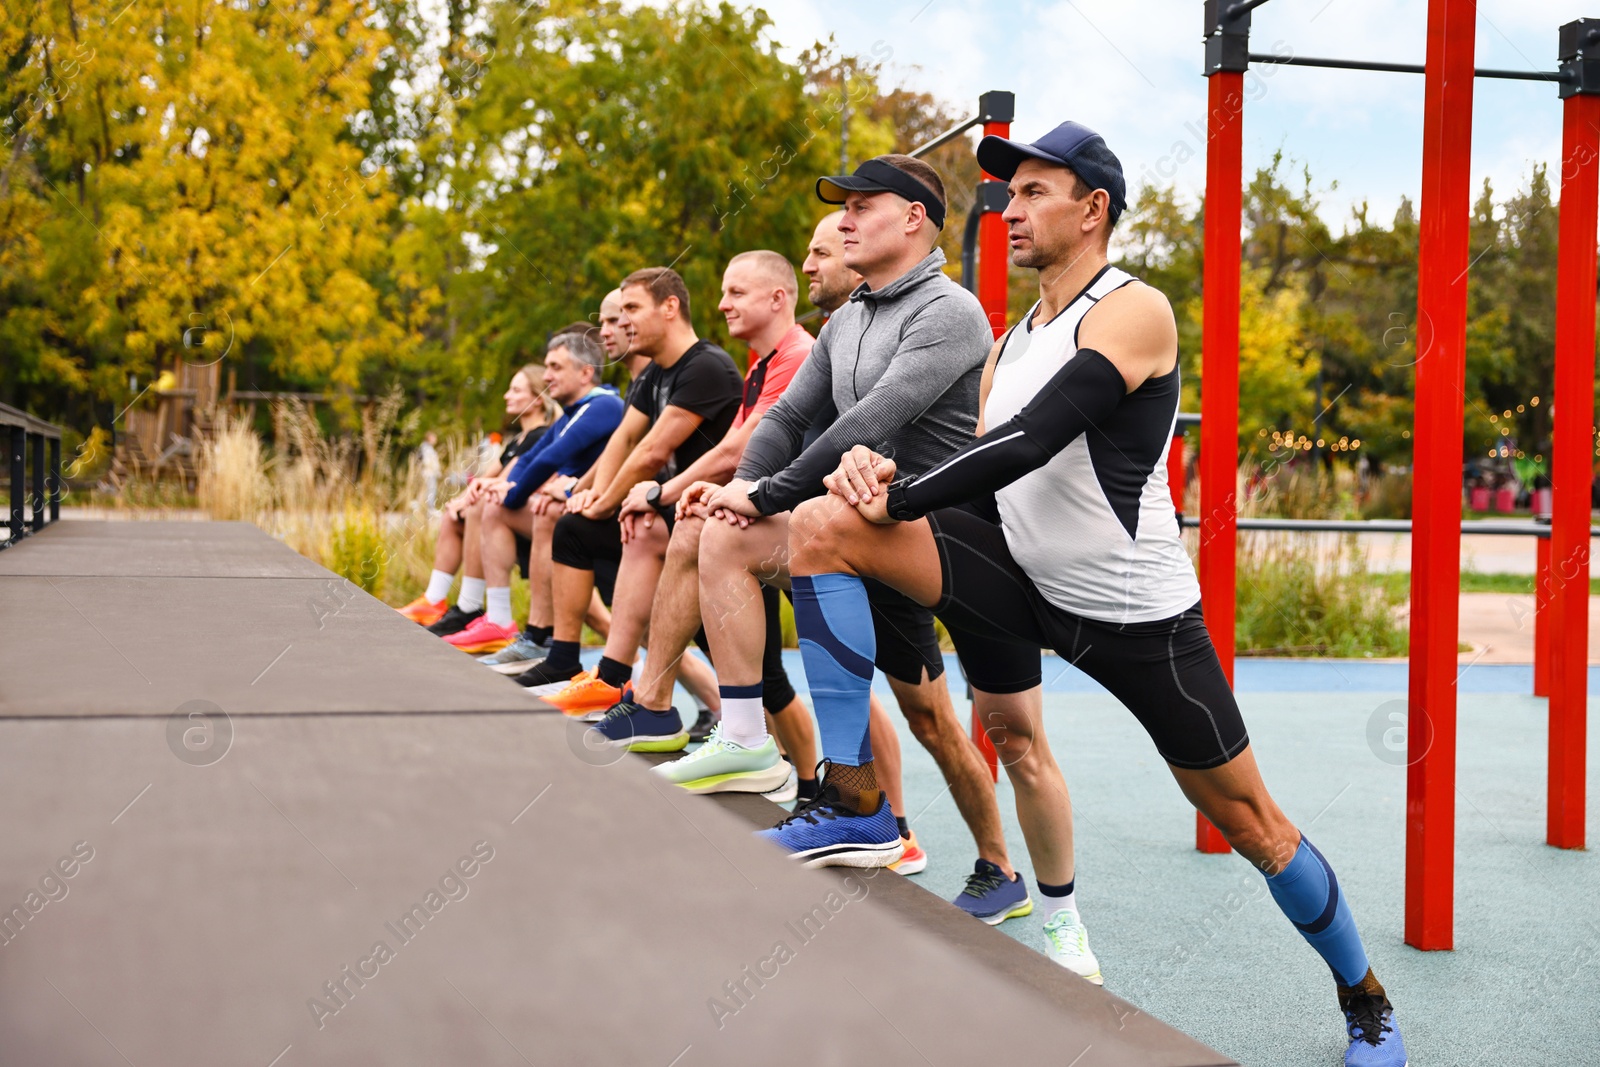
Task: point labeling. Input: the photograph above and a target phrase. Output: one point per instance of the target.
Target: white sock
(1053, 906)
(471, 595)
(742, 721)
(439, 583)
(499, 604)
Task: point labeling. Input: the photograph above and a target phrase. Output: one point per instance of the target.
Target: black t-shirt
(705, 382)
(520, 444)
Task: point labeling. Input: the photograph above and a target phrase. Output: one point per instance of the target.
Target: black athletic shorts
(582, 542)
(907, 642)
(590, 545)
(1165, 672)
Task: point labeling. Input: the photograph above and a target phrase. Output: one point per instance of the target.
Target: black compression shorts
(776, 691)
(1165, 672)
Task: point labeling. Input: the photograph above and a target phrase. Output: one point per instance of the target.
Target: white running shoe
(789, 790)
(720, 766)
(1067, 942)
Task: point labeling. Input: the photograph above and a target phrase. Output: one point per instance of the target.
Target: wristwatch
(652, 496)
(758, 495)
(896, 504)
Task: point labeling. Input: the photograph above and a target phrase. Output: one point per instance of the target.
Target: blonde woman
(458, 544)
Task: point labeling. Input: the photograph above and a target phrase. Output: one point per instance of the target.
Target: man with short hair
(898, 365)
(1055, 528)
(678, 409)
(758, 298)
(590, 413)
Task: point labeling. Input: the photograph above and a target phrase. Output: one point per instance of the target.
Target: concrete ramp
(375, 852)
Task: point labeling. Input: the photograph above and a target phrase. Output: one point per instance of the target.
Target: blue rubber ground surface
(1196, 940)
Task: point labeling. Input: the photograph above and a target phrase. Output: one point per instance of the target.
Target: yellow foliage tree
(1276, 368)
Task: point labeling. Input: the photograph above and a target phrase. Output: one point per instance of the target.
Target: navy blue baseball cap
(1070, 144)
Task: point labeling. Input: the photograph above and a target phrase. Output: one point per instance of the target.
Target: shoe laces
(981, 882)
(712, 743)
(620, 710)
(1066, 933)
(1367, 1017)
(822, 806)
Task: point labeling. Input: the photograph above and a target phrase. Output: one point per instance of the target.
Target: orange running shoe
(484, 636)
(425, 612)
(913, 860)
(586, 695)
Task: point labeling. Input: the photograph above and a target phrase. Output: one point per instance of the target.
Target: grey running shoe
(516, 657)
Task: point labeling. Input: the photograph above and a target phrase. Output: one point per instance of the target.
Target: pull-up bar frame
(1449, 73)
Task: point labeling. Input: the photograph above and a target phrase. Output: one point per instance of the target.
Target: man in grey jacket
(900, 364)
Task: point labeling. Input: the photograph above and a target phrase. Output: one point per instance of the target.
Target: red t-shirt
(781, 364)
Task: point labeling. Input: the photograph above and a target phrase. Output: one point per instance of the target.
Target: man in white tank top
(1055, 528)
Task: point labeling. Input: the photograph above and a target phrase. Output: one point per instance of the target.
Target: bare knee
(922, 716)
(720, 543)
(818, 534)
(646, 543)
(684, 546)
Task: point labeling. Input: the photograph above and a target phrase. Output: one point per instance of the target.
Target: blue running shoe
(992, 897)
(826, 832)
(1369, 1018)
(638, 729)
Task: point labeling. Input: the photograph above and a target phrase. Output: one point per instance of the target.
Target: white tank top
(1094, 528)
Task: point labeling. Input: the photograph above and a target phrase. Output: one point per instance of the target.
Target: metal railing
(26, 438)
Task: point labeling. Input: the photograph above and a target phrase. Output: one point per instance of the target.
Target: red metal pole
(1175, 470)
(994, 253)
(1571, 463)
(1219, 378)
(1436, 531)
(1541, 611)
(994, 261)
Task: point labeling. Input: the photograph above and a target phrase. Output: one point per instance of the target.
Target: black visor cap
(876, 176)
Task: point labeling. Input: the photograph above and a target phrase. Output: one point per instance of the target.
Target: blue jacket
(568, 447)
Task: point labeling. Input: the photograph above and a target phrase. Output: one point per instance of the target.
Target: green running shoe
(720, 766)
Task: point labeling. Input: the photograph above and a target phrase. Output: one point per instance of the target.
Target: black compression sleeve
(1085, 390)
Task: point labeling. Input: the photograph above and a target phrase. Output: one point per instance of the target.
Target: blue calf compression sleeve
(1309, 895)
(838, 646)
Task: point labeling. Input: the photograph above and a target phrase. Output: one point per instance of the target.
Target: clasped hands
(862, 480)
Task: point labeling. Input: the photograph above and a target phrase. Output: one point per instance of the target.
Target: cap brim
(834, 190)
(1001, 157)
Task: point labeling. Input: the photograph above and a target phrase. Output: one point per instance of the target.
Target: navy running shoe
(993, 897)
(1369, 1018)
(638, 729)
(826, 832)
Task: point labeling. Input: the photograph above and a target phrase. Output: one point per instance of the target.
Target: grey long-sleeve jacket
(901, 366)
